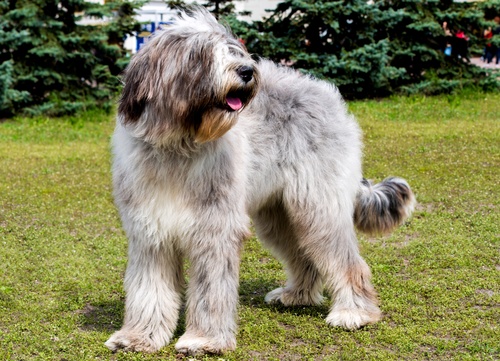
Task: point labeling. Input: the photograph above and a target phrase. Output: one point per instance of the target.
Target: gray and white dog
(207, 138)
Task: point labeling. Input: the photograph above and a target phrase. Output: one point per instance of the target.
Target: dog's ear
(136, 90)
(148, 79)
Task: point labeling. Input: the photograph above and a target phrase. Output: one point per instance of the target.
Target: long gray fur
(189, 172)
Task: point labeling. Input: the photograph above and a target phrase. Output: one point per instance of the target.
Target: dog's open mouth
(234, 102)
(237, 98)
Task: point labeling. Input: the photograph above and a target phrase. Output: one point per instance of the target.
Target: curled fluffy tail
(380, 208)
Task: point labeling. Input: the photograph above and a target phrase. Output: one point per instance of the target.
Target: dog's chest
(166, 216)
(157, 201)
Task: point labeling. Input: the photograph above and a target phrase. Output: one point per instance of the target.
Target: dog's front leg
(153, 284)
(212, 296)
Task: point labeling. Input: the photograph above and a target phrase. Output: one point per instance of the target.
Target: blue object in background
(147, 30)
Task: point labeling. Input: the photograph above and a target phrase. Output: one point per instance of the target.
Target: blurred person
(461, 45)
(497, 32)
(489, 48)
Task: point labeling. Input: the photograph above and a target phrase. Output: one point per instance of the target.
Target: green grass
(63, 253)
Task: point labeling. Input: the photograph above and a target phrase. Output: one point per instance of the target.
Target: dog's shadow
(253, 292)
(107, 316)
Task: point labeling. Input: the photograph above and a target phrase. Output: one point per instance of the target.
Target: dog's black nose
(245, 73)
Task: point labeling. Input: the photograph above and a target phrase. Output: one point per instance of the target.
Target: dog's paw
(130, 341)
(353, 318)
(195, 345)
(289, 297)
(274, 296)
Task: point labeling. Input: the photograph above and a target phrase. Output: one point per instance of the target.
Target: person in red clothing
(461, 45)
(496, 31)
(489, 50)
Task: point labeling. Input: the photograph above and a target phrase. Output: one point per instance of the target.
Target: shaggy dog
(207, 138)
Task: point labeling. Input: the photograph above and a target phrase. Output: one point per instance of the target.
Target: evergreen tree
(372, 48)
(54, 65)
(219, 8)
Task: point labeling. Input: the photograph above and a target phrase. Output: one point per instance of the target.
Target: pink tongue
(234, 103)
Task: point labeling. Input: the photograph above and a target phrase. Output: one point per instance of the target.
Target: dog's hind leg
(326, 237)
(153, 283)
(304, 284)
(355, 299)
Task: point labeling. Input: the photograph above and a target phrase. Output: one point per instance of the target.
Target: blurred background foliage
(52, 63)
(378, 48)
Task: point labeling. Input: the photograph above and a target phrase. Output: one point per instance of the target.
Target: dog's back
(299, 129)
(302, 140)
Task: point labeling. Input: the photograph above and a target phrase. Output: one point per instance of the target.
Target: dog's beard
(215, 123)
(223, 113)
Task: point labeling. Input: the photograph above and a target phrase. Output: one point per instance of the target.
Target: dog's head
(189, 81)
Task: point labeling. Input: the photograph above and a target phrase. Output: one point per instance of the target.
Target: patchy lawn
(63, 253)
